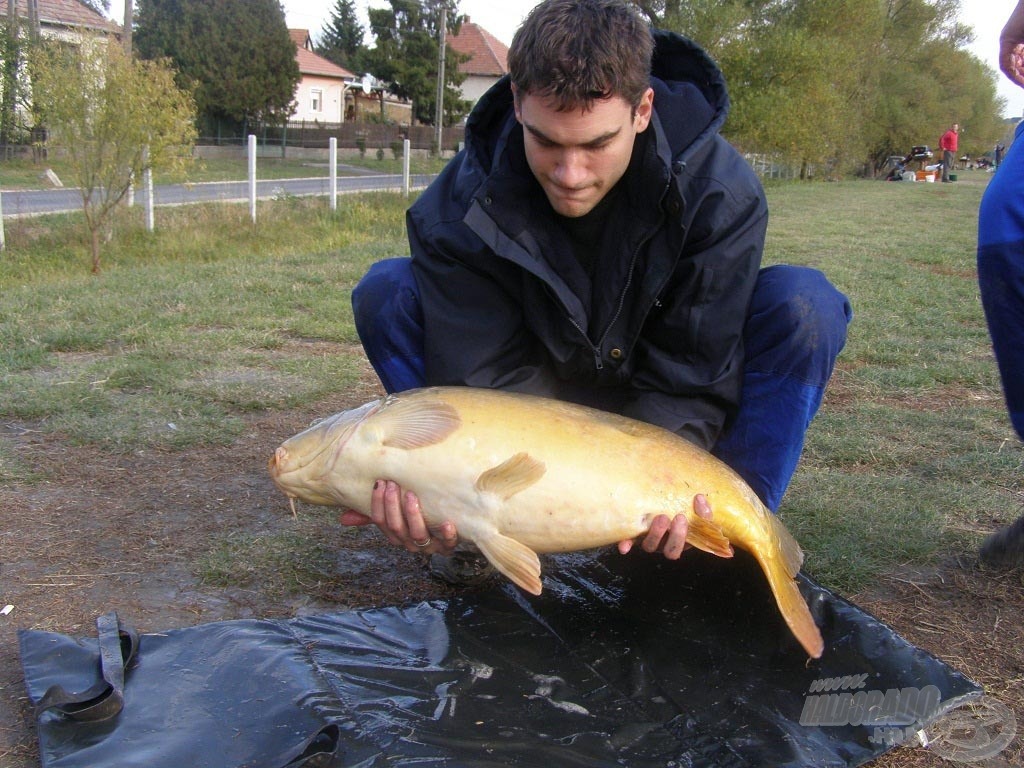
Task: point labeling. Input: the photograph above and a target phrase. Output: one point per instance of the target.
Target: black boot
(461, 568)
(1005, 548)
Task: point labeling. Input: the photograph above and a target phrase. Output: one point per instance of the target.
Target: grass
(210, 318)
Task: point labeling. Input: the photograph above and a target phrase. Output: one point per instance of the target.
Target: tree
(235, 56)
(341, 40)
(407, 35)
(842, 83)
(114, 117)
(12, 91)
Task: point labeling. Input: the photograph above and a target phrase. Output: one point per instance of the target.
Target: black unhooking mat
(624, 661)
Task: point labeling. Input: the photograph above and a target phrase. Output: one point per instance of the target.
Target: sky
(501, 17)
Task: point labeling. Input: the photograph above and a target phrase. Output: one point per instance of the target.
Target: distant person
(999, 150)
(948, 144)
(1001, 278)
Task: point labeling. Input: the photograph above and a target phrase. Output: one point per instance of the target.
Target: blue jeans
(794, 332)
(1001, 273)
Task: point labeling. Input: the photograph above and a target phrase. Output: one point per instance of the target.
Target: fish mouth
(290, 480)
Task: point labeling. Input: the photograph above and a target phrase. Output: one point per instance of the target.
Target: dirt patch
(123, 532)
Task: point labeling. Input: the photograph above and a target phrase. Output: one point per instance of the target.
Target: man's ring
(424, 543)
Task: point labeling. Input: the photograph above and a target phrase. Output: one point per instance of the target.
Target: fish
(523, 475)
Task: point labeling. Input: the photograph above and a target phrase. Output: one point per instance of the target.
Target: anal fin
(516, 561)
(708, 536)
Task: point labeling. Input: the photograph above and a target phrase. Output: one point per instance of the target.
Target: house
(327, 93)
(322, 94)
(488, 59)
(63, 19)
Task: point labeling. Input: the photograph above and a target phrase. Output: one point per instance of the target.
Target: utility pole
(126, 33)
(33, 20)
(439, 117)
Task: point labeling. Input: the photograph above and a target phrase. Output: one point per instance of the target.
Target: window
(317, 99)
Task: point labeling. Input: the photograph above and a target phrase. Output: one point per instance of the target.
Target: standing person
(1001, 277)
(948, 144)
(598, 241)
(999, 154)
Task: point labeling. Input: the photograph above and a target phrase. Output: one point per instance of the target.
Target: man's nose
(571, 170)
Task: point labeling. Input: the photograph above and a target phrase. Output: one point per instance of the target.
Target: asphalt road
(17, 202)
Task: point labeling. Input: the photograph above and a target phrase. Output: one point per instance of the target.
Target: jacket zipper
(596, 348)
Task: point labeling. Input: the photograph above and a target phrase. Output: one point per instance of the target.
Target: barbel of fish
(520, 475)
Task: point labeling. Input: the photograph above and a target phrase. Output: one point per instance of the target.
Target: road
(17, 202)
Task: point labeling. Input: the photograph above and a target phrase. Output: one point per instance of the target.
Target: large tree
(839, 83)
(341, 39)
(236, 56)
(407, 34)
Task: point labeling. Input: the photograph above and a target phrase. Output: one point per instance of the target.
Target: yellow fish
(520, 475)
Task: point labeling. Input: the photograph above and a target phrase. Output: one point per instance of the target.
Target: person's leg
(1001, 283)
(389, 321)
(795, 329)
(1001, 276)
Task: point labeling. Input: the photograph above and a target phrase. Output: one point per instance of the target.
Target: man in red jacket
(948, 146)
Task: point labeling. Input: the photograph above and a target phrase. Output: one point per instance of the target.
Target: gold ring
(424, 543)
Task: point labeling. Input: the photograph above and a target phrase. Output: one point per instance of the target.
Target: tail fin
(781, 567)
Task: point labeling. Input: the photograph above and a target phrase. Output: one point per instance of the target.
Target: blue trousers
(794, 332)
(1001, 273)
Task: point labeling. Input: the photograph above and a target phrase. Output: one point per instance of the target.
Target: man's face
(578, 156)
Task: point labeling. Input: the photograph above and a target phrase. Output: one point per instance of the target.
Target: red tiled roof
(488, 55)
(63, 13)
(311, 63)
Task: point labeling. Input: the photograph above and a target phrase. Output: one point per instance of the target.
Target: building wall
(475, 86)
(330, 94)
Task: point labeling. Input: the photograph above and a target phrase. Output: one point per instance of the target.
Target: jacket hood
(690, 102)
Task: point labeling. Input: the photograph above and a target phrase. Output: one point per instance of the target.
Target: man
(948, 144)
(1001, 277)
(598, 241)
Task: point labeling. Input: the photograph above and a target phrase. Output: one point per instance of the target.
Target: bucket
(952, 177)
(925, 176)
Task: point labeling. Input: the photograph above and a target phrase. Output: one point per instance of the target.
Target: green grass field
(211, 317)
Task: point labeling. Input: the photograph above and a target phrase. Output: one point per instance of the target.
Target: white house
(488, 60)
(324, 90)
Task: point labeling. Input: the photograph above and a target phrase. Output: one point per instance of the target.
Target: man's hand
(400, 519)
(1011, 46)
(669, 535)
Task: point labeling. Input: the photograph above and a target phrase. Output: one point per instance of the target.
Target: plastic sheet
(623, 661)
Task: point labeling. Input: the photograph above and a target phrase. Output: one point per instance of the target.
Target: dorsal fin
(511, 476)
(415, 423)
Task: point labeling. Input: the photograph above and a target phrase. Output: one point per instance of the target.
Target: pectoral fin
(409, 424)
(517, 561)
(511, 476)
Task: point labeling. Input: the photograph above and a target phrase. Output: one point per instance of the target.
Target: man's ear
(643, 111)
(515, 103)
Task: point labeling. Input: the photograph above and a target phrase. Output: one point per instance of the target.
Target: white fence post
(406, 151)
(252, 176)
(333, 155)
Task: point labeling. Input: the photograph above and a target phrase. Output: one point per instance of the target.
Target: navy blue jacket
(658, 333)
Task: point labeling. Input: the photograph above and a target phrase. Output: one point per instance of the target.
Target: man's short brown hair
(580, 51)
